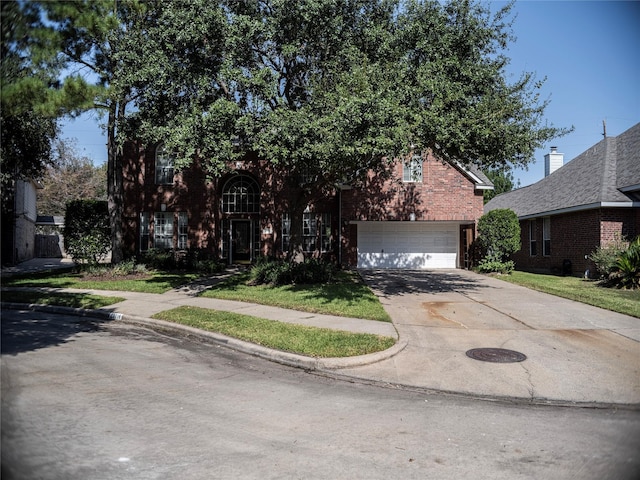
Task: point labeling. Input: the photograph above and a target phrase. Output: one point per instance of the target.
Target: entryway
(241, 244)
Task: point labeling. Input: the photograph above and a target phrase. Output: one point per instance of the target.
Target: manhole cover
(496, 355)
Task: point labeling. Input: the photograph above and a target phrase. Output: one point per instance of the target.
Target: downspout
(340, 226)
(14, 219)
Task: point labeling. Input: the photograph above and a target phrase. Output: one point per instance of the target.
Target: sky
(588, 51)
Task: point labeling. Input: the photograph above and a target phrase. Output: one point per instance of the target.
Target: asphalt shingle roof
(593, 177)
(481, 180)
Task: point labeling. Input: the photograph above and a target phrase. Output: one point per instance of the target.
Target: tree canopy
(71, 177)
(503, 181)
(85, 38)
(326, 90)
(26, 133)
(335, 86)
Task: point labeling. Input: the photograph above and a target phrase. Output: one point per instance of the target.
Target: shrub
(487, 266)
(269, 271)
(196, 260)
(199, 260)
(87, 235)
(280, 272)
(313, 270)
(499, 237)
(159, 259)
(626, 271)
(127, 267)
(208, 266)
(122, 269)
(605, 257)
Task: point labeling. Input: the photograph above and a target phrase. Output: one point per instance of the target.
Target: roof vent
(553, 161)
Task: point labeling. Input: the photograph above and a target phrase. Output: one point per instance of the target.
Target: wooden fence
(49, 246)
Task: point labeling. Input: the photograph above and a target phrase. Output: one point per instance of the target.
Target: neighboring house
(19, 224)
(424, 216)
(585, 204)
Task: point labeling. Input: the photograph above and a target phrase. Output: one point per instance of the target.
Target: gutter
(579, 208)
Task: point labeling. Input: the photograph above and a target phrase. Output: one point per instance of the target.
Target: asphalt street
(95, 399)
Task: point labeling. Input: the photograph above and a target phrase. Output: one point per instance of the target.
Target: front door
(240, 241)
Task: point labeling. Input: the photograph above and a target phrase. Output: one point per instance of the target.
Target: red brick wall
(200, 198)
(574, 236)
(620, 222)
(444, 194)
(190, 193)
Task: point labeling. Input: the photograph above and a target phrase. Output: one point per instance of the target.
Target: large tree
(328, 90)
(503, 181)
(73, 176)
(85, 37)
(26, 132)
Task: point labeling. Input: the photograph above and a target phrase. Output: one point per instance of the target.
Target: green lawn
(581, 290)
(158, 282)
(304, 340)
(64, 299)
(347, 297)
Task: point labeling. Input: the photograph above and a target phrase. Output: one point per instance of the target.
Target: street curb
(278, 356)
(322, 366)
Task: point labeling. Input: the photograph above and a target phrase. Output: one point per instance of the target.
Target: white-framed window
(309, 232)
(241, 194)
(412, 170)
(546, 236)
(163, 230)
(165, 162)
(316, 232)
(307, 176)
(182, 230)
(286, 232)
(533, 245)
(144, 231)
(325, 232)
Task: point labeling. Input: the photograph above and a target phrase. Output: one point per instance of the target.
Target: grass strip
(158, 282)
(63, 299)
(304, 340)
(348, 296)
(581, 290)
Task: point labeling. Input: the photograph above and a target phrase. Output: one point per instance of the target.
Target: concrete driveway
(575, 352)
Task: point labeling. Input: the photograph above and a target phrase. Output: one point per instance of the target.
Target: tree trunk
(115, 191)
(296, 252)
(297, 205)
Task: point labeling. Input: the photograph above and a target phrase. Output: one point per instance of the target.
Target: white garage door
(409, 245)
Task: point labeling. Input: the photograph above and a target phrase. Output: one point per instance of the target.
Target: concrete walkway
(575, 353)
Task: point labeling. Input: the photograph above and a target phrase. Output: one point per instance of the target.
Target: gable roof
(605, 175)
(479, 179)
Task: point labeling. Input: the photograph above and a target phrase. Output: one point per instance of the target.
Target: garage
(407, 245)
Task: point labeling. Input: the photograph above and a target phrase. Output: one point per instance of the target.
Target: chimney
(553, 161)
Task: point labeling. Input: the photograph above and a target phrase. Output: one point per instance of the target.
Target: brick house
(579, 206)
(422, 215)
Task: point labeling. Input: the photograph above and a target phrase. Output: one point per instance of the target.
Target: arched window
(241, 194)
(164, 166)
